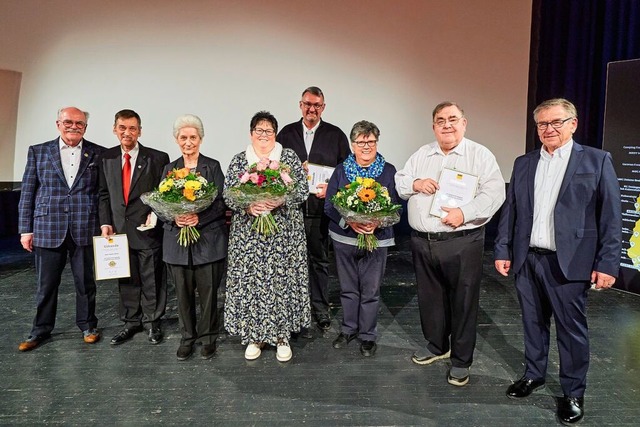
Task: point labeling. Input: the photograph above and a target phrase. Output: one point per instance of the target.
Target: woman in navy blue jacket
(360, 271)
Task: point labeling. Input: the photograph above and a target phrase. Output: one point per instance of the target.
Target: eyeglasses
(268, 132)
(309, 105)
(443, 122)
(556, 124)
(362, 144)
(70, 123)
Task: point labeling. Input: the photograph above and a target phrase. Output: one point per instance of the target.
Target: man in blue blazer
(58, 217)
(143, 295)
(560, 231)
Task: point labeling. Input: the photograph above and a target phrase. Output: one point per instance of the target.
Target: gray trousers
(360, 273)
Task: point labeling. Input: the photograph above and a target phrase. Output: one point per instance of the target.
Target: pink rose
(244, 178)
(254, 178)
(286, 178)
(261, 166)
(274, 164)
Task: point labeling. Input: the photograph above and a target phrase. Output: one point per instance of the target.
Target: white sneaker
(284, 353)
(252, 352)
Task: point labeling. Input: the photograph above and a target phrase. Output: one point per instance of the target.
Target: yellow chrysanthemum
(165, 185)
(368, 182)
(366, 195)
(193, 185)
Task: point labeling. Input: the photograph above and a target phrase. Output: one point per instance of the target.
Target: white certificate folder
(456, 189)
(111, 257)
(318, 174)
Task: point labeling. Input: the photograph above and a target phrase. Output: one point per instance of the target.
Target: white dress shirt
(134, 156)
(70, 158)
(549, 175)
(467, 157)
(309, 135)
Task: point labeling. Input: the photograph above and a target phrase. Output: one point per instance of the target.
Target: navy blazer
(48, 208)
(147, 173)
(214, 236)
(587, 215)
(330, 147)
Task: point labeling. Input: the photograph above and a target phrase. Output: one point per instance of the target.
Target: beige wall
(10, 90)
(389, 62)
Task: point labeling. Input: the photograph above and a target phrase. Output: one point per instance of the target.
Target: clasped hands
(454, 217)
(263, 208)
(363, 227)
(184, 220)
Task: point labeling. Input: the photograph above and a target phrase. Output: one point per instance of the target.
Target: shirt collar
(562, 152)
(64, 146)
(434, 148)
(133, 152)
(312, 130)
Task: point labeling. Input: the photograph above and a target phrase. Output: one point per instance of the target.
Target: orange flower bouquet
(366, 201)
(181, 192)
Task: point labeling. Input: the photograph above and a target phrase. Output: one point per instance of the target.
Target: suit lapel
(142, 162)
(531, 176)
(56, 160)
(113, 172)
(574, 161)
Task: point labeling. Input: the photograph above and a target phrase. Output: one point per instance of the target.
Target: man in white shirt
(448, 249)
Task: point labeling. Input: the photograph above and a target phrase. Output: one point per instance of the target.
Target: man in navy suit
(143, 295)
(560, 232)
(58, 217)
(319, 142)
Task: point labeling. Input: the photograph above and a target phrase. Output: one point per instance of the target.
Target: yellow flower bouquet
(181, 192)
(366, 201)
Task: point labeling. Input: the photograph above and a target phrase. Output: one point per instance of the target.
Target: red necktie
(126, 177)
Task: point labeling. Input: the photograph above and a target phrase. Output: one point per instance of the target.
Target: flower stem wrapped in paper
(181, 192)
(267, 181)
(366, 201)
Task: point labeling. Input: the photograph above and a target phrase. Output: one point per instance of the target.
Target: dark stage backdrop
(622, 139)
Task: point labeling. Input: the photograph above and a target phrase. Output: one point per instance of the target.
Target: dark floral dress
(267, 294)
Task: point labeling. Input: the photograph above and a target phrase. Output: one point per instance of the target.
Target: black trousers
(50, 263)
(143, 296)
(317, 232)
(448, 274)
(205, 279)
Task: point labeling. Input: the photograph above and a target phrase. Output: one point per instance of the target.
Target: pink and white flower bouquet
(266, 180)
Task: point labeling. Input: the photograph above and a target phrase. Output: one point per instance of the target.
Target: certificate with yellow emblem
(456, 189)
(111, 257)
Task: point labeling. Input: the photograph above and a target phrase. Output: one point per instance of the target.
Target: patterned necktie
(126, 177)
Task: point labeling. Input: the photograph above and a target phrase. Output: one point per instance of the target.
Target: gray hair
(188, 121)
(364, 127)
(444, 105)
(556, 102)
(86, 113)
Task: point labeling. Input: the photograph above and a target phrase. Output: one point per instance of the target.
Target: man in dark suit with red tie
(560, 231)
(126, 172)
(319, 142)
(58, 217)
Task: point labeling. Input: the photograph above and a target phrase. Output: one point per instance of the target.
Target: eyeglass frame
(260, 131)
(70, 123)
(454, 120)
(309, 105)
(362, 144)
(543, 126)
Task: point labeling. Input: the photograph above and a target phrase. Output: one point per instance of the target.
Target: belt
(541, 251)
(443, 235)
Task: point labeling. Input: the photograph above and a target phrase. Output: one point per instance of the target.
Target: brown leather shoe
(91, 336)
(32, 342)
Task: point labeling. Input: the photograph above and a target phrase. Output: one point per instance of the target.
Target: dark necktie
(126, 177)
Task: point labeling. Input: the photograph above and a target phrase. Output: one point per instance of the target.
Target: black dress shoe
(343, 339)
(324, 322)
(570, 409)
(124, 335)
(155, 336)
(368, 348)
(208, 350)
(523, 388)
(184, 352)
